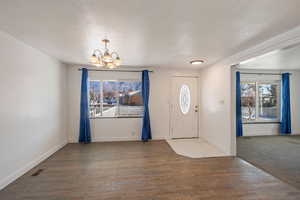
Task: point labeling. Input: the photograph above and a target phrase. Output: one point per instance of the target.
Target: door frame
(171, 104)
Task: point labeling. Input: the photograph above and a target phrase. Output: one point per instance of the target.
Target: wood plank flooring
(138, 171)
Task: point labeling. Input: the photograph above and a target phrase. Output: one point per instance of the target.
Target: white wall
(260, 129)
(32, 116)
(215, 109)
(295, 101)
(128, 128)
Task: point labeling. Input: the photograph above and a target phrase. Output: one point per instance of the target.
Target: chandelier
(108, 60)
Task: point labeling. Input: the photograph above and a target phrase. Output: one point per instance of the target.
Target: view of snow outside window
(248, 98)
(116, 98)
(268, 105)
(260, 101)
(95, 98)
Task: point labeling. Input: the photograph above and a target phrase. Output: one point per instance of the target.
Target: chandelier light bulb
(94, 59)
(107, 57)
(117, 61)
(110, 65)
(99, 63)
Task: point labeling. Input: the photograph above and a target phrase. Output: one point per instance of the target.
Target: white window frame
(118, 115)
(257, 83)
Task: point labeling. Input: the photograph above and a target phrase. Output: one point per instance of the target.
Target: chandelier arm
(115, 53)
(98, 52)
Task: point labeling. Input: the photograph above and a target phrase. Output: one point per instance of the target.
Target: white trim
(118, 139)
(278, 42)
(186, 76)
(20, 172)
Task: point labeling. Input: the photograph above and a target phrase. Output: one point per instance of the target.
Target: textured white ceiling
(282, 59)
(165, 33)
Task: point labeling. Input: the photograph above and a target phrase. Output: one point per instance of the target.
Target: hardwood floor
(137, 171)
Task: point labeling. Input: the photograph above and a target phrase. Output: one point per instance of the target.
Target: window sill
(118, 117)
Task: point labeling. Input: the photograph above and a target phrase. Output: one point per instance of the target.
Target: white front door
(184, 107)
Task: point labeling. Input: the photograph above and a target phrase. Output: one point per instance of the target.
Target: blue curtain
(239, 122)
(285, 125)
(146, 131)
(84, 129)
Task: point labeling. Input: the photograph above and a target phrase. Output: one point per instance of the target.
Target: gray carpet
(278, 155)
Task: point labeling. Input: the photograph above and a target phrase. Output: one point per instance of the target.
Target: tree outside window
(260, 101)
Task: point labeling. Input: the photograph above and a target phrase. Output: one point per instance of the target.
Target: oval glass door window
(185, 99)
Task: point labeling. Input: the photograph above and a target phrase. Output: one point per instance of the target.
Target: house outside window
(115, 98)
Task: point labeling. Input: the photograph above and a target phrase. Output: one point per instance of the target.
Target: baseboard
(295, 134)
(117, 139)
(20, 172)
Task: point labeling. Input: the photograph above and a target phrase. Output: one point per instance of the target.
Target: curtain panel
(239, 122)
(84, 129)
(146, 131)
(285, 125)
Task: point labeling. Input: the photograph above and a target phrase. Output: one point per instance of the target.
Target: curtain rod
(114, 70)
(263, 73)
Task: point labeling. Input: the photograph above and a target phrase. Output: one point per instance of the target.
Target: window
(260, 101)
(116, 98)
(130, 98)
(110, 99)
(95, 99)
(248, 98)
(268, 108)
(185, 99)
